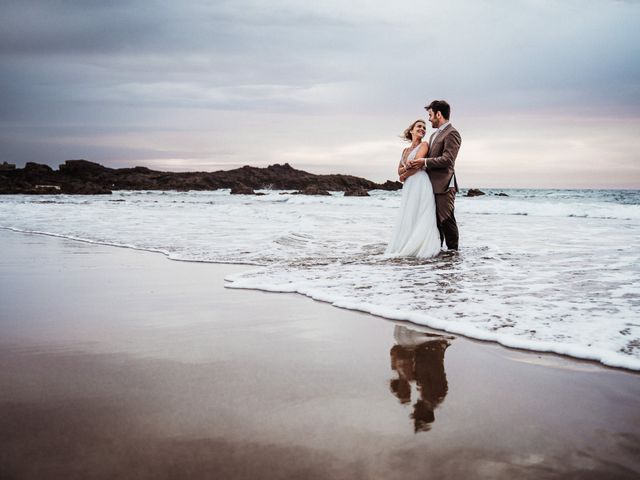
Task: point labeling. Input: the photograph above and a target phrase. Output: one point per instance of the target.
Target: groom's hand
(416, 163)
(407, 173)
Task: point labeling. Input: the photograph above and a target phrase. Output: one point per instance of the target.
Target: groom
(443, 150)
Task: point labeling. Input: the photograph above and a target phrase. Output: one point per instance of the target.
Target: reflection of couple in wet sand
(419, 357)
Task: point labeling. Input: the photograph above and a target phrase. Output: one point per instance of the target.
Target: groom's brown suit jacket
(441, 159)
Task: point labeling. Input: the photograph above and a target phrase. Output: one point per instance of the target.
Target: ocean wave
(412, 292)
(532, 273)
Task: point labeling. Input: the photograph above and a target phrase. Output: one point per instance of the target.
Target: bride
(415, 233)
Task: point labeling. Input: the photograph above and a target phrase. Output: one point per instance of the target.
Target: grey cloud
(44, 28)
(69, 27)
(103, 65)
(87, 51)
(52, 151)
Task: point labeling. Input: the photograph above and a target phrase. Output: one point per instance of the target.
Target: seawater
(546, 270)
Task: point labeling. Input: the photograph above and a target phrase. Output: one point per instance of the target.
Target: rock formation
(312, 190)
(84, 177)
(474, 192)
(356, 192)
(241, 189)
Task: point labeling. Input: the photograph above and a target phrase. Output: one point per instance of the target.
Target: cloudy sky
(544, 93)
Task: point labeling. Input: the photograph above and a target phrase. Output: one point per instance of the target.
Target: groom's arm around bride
(444, 145)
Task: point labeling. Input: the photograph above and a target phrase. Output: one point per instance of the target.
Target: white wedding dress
(416, 232)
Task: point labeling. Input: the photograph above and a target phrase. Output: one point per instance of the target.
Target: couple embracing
(426, 218)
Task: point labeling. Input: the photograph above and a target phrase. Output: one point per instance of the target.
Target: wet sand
(122, 364)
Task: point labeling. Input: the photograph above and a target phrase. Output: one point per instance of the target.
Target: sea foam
(555, 271)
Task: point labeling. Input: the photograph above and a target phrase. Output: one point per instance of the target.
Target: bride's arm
(402, 168)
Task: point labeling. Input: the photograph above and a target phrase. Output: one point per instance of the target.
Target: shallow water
(548, 270)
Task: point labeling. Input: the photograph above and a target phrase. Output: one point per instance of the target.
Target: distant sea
(546, 270)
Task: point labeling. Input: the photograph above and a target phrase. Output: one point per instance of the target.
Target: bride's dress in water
(416, 233)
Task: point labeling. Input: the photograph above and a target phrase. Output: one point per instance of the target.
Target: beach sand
(118, 363)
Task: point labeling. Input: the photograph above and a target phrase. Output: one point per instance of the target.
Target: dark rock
(136, 170)
(312, 190)
(85, 188)
(85, 177)
(36, 168)
(474, 192)
(83, 169)
(356, 192)
(501, 194)
(7, 166)
(391, 186)
(241, 189)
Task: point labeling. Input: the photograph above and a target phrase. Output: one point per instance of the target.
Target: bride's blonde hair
(407, 133)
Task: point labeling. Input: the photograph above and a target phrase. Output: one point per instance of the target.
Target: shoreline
(445, 332)
(551, 348)
(548, 349)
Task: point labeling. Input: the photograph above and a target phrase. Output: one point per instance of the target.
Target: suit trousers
(446, 220)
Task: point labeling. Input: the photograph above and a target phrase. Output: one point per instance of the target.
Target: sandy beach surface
(118, 363)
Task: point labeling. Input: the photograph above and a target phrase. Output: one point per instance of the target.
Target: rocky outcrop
(241, 189)
(84, 177)
(35, 178)
(391, 185)
(356, 192)
(312, 190)
(474, 192)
